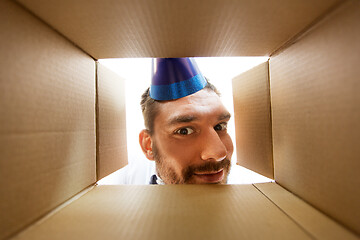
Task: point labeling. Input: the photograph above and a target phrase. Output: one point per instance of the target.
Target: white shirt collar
(159, 181)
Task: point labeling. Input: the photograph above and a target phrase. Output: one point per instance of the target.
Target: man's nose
(213, 149)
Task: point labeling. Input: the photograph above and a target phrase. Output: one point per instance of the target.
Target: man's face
(190, 142)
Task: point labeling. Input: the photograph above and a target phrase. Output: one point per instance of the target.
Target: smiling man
(186, 126)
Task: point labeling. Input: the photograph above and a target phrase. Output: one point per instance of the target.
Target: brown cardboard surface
(111, 129)
(251, 95)
(47, 130)
(162, 28)
(315, 109)
(169, 212)
(310, 219)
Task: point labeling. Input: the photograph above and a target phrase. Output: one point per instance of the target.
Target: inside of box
(53, 139)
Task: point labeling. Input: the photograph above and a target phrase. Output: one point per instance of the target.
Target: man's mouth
(211, 177)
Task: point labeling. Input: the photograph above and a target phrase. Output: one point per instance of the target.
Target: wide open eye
(221, 126)
(184, 131)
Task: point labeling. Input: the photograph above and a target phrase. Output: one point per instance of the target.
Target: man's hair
(150, 106)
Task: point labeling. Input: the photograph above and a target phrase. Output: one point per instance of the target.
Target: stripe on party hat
(175, 78)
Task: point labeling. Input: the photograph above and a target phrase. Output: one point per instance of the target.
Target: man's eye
(221, 126)
(185, 131)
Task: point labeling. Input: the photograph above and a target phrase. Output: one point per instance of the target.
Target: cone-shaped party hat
(175, 78)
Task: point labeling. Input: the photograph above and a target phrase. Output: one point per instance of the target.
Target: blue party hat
(175, 78)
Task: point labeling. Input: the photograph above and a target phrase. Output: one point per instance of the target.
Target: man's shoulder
(131, 174)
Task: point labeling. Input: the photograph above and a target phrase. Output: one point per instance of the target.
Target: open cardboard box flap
(161, 28)
(188, 212)
(61, 118)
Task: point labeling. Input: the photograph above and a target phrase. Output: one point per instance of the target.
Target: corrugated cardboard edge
(97, 118)
(253, 121)
(307, 217)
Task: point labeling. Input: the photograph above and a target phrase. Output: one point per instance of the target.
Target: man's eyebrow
(182, 119)
(224, 116)
(190, 118)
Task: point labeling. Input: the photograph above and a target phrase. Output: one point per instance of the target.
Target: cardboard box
(62, 122)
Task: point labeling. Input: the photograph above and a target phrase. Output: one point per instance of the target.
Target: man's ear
(146, 144)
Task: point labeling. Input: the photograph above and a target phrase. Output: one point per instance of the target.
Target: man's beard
(169, 176)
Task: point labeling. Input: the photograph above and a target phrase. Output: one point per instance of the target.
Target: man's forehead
(204, 103)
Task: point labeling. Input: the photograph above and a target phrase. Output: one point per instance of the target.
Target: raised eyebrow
(182, 119)
(224, 116)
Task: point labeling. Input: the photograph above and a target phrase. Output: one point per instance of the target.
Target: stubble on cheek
(167, 173)
(164, 170)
